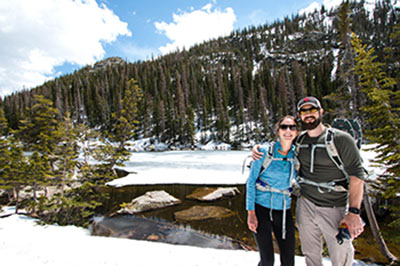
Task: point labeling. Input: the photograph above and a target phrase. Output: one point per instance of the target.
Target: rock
(100, 229)
(149, 201)
(153, 237)
(122, 172)
(210, 194)
(197, 213)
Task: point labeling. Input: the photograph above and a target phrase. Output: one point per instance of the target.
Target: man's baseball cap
(309, 100)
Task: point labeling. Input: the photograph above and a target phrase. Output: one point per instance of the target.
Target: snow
(185, 167)
(368, 154)
(220, 192)
(210, 146)
(24, 242)
(200, 167)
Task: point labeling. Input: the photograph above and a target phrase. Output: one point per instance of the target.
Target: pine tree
(114, 150)
(180, 104)
(264, 115)
(298, 80)
(38, 173)
(346, 95)
(383, 118)
(282, 92)
(17, 170)
(5, 154)
(56, 208)
(189, 127)
(223, 122)
(39, 134)
(3, 124)
(67, 152)
(36, 131)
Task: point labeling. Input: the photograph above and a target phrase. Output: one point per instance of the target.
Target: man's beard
(310, 125)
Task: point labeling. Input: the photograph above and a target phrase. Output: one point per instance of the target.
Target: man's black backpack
(351, 126)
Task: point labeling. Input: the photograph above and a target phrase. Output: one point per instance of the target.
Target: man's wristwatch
(355, 210)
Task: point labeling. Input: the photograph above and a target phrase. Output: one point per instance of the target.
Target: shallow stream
(227, 230)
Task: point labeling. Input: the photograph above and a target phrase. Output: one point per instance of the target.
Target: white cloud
(196, 26)
(37, 36)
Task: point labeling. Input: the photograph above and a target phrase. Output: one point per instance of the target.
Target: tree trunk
(16, 200)
(375, 228)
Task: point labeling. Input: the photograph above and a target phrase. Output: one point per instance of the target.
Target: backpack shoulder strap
(268, 157)
(332, 151)
(299, 141)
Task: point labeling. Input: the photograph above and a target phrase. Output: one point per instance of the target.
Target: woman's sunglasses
(291, 127)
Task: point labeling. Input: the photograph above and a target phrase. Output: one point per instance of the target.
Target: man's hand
(354, 224)
(255, 153)
(353, 221)
(252, 221)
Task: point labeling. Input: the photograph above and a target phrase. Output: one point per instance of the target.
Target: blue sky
(43, 39)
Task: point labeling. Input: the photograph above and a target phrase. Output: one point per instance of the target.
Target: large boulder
(149, 201)
(211, 194)
(197, 213)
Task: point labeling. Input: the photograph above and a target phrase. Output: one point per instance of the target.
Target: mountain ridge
(231, 89)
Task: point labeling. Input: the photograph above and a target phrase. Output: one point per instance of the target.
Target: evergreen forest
(232, 89)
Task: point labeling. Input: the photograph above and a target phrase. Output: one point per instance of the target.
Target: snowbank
(25, 243)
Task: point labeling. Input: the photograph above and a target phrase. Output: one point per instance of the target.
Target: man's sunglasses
(291, 127)
(312, 110)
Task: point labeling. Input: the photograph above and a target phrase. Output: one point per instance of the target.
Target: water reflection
(141, 228)
(233, 227)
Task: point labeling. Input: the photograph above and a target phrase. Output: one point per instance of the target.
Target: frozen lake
(185, 167)
(199, 167)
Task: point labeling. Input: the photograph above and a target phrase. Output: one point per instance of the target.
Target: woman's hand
(252, 221)
(255, 153)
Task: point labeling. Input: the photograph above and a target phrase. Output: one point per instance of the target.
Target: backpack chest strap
(265, 187)
(339, 185)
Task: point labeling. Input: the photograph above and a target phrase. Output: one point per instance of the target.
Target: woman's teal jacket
(278, 176)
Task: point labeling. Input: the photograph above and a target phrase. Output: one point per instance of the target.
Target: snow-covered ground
(24, 243)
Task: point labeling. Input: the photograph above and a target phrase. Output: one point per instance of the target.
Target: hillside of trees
(231, 89)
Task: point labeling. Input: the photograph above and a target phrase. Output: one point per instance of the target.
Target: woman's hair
(283, 118)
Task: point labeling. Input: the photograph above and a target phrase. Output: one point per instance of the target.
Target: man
(321, 209)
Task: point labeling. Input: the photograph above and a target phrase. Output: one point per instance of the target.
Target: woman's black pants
(264, 236)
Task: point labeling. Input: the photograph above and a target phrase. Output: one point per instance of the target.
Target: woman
(268, 195)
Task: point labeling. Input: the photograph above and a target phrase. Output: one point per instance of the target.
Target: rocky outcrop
(197, 213)
(149, 201)
(211, 194)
